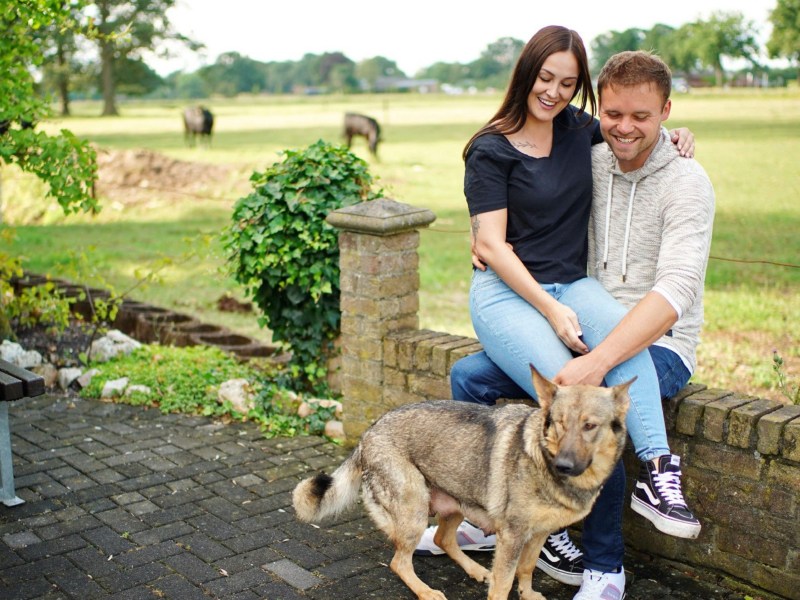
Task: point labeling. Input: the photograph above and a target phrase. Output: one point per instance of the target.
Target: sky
(414, 33)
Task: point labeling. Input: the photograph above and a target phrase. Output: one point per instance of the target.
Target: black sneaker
(658, 497)
(561, 559)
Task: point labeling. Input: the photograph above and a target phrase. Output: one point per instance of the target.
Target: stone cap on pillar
(380, 217)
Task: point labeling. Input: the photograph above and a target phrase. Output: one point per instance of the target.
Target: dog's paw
(478, 573)
(530, 595)
(432, 595)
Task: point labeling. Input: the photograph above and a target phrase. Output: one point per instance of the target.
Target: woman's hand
(683, 138)
(565, 323)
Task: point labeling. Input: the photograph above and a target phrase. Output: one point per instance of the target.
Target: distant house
(402, 84)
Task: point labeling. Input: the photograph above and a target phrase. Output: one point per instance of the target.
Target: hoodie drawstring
(608, 219)
(627, 226)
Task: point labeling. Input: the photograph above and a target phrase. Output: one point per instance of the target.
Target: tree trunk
(719, 74)
(63, 80)
(107, 77)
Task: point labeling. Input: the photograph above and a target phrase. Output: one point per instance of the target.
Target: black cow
(197, 120)
(355, 124)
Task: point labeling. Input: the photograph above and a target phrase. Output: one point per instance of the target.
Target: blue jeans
(477, 379)
(514, 334)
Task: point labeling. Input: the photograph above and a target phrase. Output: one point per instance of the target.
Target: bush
(285, 254)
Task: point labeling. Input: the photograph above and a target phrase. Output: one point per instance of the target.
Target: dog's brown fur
(515, 470)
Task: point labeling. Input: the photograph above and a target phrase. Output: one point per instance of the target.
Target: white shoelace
(564, 545)
(669, 487)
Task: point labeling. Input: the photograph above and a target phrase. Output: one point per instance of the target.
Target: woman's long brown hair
(512, 113)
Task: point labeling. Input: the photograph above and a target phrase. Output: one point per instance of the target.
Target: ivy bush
(287, 257)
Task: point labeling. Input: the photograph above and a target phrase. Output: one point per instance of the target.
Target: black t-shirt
(548, 199)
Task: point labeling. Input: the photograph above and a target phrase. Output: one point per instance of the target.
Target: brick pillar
(379, 282)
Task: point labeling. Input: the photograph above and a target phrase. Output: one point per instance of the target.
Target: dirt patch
(62, 349)
(131, 176)
(742, 361)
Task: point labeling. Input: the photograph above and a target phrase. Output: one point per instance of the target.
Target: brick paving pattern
(125, 502)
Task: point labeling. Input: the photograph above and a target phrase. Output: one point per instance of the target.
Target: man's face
(630, 121)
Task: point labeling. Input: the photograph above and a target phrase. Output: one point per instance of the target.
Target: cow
(355, 124)
(197, 120)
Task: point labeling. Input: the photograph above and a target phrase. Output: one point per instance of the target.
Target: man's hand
(582, 370)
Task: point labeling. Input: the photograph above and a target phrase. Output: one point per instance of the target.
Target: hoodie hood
(663, 153)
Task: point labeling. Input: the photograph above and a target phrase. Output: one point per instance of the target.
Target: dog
(517, 470)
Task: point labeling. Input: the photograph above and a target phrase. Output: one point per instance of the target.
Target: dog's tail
(323, 495)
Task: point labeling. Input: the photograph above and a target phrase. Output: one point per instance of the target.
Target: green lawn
(748, 141)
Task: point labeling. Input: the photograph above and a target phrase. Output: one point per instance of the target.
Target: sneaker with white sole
(657, 496)
(469, 537)
(561, 559)
(602, 586)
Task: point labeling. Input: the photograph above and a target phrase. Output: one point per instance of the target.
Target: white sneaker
(469, 537)
(602, 586)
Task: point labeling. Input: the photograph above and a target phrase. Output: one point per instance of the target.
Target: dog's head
(583, 427)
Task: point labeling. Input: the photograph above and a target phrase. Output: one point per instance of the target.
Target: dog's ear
(545, 389)
(622, 399)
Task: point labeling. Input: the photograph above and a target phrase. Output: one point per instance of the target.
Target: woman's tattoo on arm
(475, 225)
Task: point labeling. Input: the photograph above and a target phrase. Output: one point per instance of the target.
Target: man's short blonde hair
(635, 67)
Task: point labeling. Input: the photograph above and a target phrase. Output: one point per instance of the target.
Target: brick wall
(741, 455)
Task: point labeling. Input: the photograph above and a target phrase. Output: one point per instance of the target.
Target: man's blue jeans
(476, 378)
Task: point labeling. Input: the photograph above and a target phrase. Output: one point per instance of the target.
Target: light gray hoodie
(650, 230)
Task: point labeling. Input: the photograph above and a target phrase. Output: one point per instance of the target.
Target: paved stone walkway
(125, 502)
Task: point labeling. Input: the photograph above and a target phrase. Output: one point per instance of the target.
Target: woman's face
(554, 86)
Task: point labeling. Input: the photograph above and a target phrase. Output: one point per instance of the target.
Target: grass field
(748, 141)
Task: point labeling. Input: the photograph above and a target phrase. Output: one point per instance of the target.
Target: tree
(127, 29)
(372, 69)
(59, 46)
(496, 61)
(452, 73)
(785, 38)
(674, 46)
(135, 78)
(504, 52)
(342, 78)
(329, 61)
(278, 77)
(66, 164)
(234, 74)
(725, 34)
(605, 45)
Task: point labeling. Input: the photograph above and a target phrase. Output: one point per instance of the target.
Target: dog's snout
(565, 465)
(570, 465)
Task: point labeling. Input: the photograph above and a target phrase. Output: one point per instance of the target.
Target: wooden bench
(15, 383)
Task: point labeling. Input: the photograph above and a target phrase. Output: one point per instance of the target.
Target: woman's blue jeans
(515, 335)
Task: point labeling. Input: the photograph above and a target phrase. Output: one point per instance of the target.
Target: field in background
(748, 141)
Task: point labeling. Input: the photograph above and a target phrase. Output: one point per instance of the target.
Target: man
(649, 239)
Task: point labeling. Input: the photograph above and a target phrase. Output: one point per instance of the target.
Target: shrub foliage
(287, 256)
